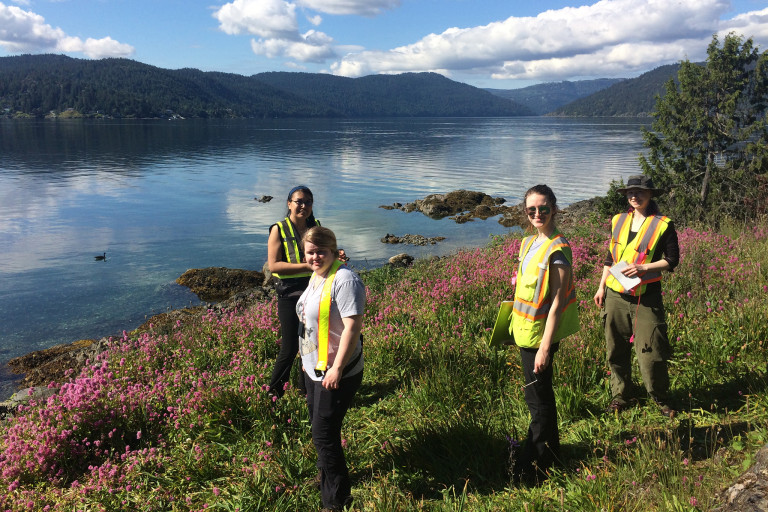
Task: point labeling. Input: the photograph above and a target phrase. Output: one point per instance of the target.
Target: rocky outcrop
(219, 283)
(749, 493)
(50, 365)
(462, 205)
(401, 260)
(412, 239)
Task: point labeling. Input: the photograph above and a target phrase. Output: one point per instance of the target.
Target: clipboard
(501, 335)
(626, 282)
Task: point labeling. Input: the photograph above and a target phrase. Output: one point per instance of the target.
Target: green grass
(180, 420)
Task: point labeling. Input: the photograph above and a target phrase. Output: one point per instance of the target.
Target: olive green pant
(622, 316)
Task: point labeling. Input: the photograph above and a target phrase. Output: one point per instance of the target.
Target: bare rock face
(749, 493)
(219, 283)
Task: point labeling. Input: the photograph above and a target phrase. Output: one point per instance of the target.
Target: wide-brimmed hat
(640, 181)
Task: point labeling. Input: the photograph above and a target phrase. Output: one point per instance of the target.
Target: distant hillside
(408, 94)
(38, 85)
(630, 98)
(544, 98)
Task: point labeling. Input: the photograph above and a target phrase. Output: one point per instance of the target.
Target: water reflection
(161, 197)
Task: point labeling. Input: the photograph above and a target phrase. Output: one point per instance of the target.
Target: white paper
(626, 282)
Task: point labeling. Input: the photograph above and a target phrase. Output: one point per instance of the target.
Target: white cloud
(275, 22)
(751, 24)
(95, 48)
(610, 37)
(264, 18)
(312, 47)
(356, 7)
(25, 31)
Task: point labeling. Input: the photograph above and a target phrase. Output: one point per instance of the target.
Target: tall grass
(183, 420)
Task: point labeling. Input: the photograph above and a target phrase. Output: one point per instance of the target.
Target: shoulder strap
(324, 318)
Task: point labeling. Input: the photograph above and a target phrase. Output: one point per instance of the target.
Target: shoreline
(39, 368)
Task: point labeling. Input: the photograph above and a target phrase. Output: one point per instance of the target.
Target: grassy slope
(181, 421)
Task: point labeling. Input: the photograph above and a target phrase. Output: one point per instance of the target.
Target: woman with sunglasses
(285, 258)
(643, 243)
(544, 313)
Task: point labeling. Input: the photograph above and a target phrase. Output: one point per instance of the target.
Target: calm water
(160, 197)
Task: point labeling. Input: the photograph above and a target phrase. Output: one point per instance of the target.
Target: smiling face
(639, 198)
(539, 211)
(300, 205)
(319, 258)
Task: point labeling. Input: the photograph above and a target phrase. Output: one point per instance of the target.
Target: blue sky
(487, 43)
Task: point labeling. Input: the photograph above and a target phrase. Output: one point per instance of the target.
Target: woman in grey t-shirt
(331, 313)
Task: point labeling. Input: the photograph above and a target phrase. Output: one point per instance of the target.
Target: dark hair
(303, 188)
(322, 237)
(545, 191)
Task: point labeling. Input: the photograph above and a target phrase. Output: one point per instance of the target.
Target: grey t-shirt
(347, 299)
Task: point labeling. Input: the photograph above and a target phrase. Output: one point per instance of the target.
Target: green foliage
(613, 201)
(709, 143)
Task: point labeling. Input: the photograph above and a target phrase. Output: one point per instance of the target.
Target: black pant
(542, 446)
(327, 409)
(289, 346)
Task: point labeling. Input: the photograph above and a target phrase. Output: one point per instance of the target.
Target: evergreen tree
(709, 144)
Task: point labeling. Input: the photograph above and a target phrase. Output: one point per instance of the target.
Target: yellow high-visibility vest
(640, 250)
(532, 298)
(324, 318)
(291, 242)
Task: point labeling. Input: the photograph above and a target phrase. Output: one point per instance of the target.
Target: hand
(633, 269)
(542, 360)
(332, 379)
(599, 297)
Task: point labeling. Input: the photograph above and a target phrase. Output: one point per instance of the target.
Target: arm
(276, 264)
(559, 277)
(599, 297)
(349, 336)
(633, 269)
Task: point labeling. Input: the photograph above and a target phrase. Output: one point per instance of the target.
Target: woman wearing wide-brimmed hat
(643, 244)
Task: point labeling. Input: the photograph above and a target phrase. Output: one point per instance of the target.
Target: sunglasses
(543, 210)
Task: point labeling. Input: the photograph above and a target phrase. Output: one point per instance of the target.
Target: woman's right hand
(599, 297)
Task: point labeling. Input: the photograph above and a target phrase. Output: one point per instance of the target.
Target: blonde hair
(321, 237)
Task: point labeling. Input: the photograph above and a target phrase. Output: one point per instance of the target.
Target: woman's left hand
(332, 379)
(542, 360)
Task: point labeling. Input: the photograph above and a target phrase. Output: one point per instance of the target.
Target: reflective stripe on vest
(529, 317)
(291, 247)
(324, 317)
(642, 248)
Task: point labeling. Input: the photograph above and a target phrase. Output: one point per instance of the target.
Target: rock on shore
(463, 206)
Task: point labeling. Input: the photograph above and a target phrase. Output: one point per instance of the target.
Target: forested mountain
(629, 98)
(38, 85)
(544, 98)
(408, 94)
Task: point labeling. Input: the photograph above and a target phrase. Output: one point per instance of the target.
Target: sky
(502, 44)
